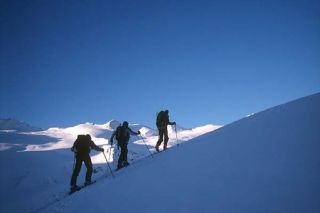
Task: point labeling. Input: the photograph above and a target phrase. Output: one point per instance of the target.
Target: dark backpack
(82, 145)
(122, 134)
(161, 117)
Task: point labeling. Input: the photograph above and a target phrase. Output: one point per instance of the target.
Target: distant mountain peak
(13, 124)
(112, 125)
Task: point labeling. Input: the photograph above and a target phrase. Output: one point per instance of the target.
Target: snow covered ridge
(262, 163)
(101, 133)
(62, 138)
(267, 162)
(12, 124)
(41, 162)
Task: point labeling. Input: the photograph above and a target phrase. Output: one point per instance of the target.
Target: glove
(139, 132)
(102, 149)
(174, 123)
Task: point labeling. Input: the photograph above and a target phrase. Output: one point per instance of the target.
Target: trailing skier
(162, 123)
(81, 148)
(122, 135)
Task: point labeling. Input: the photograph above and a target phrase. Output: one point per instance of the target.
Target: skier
(81, 148)
(162, 123)
(122, 135)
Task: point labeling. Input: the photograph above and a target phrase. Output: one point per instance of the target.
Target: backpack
(82, 145)
(161, 117)
(122, 134)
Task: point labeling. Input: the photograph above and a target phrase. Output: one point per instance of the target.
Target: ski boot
(74, 188)
(89, 182)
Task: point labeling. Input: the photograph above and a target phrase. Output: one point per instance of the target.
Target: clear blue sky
(69, 62)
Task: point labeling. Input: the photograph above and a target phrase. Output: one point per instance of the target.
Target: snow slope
(268, 162)
(36, 166)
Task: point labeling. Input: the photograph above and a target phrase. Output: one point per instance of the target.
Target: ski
(81, 187)
(157, 152)
(119, 168)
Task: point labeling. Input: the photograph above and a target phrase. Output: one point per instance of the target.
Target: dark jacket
(122, 134)
(83, 145)
(163, 120)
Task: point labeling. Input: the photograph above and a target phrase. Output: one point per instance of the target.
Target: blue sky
(69, 62)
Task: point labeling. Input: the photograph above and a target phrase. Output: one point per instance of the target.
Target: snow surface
(267, 162)
(36, 166)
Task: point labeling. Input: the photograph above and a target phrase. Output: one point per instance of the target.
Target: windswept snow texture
(268, 162)
(36, 166)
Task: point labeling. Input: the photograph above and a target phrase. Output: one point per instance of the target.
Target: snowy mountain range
(12, 124)
(267, 162)
(40, 162)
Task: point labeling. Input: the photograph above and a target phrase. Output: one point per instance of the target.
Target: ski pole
(109, 152)
(74, 161)
(110, 149)
(108, 165)
(146, 146)
(175, 129)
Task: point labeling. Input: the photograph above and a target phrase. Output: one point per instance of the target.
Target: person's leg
(166, 138)
(88, 163)
(125, 155)
(122, 156)
(76, 171)
(161, 133)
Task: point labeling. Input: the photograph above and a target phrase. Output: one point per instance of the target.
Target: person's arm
(168, 122)
(112, 136)
(133, 133)
(95, 147)
(73, 148)
(75, 145)
(171, 123)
